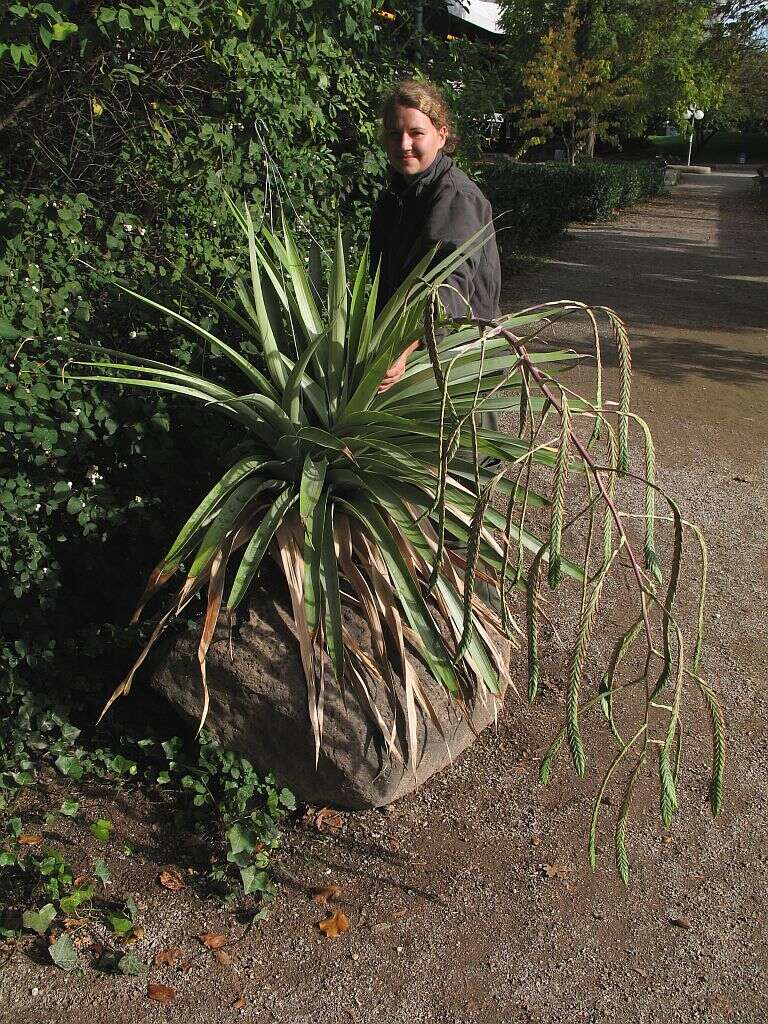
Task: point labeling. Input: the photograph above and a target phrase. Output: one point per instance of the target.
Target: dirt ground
(471, 900)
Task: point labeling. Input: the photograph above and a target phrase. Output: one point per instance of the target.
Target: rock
(258, 707)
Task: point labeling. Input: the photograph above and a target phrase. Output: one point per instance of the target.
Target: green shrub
(535, 202)
(117, 167)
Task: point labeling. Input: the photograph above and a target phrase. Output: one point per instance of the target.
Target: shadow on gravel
(674, 360)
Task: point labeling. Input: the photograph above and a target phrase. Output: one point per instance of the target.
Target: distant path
(689, 273)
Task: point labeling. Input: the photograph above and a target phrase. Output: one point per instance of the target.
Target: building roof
(482, 13)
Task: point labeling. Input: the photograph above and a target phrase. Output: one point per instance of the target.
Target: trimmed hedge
(535, 202)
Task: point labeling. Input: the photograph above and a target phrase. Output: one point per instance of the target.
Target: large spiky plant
(397, 504)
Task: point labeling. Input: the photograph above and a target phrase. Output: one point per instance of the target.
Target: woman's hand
(397, 369)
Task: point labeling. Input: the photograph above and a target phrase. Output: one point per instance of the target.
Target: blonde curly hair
(427, 98)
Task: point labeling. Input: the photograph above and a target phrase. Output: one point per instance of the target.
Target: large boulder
(258, 707)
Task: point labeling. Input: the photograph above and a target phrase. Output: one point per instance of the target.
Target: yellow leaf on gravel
(168, 957)
(171, 879)
(213, 940)
(334, 925)
(26, 839)
(326, 894)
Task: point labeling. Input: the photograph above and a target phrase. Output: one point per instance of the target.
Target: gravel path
(454, 916)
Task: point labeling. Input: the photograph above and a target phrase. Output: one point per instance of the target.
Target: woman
(430, 200)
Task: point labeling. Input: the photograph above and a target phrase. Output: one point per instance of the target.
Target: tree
(657, 57)
(569, 94)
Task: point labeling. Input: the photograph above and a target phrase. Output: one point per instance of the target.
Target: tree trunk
(592, 137)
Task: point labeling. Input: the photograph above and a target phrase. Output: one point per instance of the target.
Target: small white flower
(38, 507)
(35, 288)
(142, 231)
(138, 499)
(69, 484)
(66, 309)
(132, 334)
(58, 338)
(78, 411)
(45, 569)
(121, 465)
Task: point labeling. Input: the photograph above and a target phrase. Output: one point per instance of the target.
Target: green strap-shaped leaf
(234, 357)
(357, 307)
(292, 394)
(272, 354)
(314, 527)
(258, 545)
(366, 333)
(312, 480)
(337, 313)
(223, 523)
(242, 469)
(329, 579)
(395, 504)
(243, 415)
(408, 591)
(323, 439)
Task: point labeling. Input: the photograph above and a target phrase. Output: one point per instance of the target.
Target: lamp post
(693, 114)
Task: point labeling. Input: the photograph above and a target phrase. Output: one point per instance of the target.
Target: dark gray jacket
(440, 205)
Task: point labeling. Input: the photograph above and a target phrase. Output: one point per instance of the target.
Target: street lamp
(693, 114)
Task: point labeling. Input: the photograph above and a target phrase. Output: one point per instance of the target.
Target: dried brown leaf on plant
(168, 957)
(80, 881)
(334, 925)
(28, 839)
(171, 879)
(328, 820)
(213, 940)
(326, 894)
(161, 993)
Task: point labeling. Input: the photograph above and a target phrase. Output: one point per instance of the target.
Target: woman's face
(411, 140)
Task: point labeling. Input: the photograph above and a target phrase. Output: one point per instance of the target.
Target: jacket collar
(414, 184)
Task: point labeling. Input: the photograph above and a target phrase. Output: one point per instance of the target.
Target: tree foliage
(655, 58)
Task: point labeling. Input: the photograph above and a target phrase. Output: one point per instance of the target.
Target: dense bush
(534, 202)
(120, 128)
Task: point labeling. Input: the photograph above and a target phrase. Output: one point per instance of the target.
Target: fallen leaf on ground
(161, 993)
(223, 957)
(136, 934)
(70, 923)
(328, 820)
(554, 870)
(334, 925)
(213, 940)
(27, 839)
(326, 893)
(168, 957)
(680, 922)
(239, 1004)
(171, 879)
